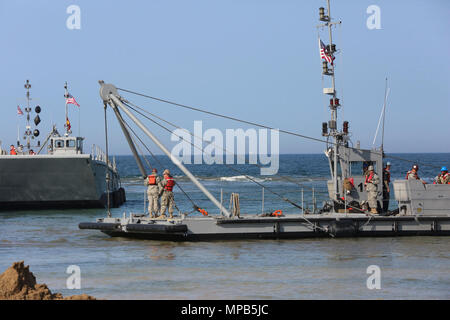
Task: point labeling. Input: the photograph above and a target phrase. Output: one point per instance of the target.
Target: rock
(19, 283)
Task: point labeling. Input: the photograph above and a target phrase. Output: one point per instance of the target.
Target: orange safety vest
(170, 183)
(151, 179)
(369, 178)
(13, 152)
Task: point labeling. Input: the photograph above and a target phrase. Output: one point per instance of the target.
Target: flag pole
(67, 116)
(18, 130)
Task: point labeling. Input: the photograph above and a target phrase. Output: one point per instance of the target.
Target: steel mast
(336, 135)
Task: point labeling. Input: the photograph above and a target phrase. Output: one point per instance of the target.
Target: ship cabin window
(70, 143)
(360, 167)
(59, 143)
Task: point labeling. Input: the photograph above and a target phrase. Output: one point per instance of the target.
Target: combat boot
(373, 211)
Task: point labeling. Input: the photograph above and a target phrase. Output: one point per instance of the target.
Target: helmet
(415, 167)
(370, 168)
(166, 171)
(388, 164)
(154, 170)
(444, 169)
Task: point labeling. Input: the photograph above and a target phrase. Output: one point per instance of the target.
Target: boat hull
(288, 227)
(51, 181)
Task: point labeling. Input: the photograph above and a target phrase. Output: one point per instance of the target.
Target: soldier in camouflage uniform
(371, 185)
(413, 175)
(167, 200)
(444, 177)
(153, 182)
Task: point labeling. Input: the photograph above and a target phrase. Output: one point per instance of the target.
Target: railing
(98, 154)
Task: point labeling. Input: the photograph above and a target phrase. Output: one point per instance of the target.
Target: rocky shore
(19, 283)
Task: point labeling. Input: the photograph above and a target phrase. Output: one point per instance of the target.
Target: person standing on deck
(412, 174)
(386, 189)
(167, 200)
(12, 150)
(153, 182)
(443, 178)
(371, 185)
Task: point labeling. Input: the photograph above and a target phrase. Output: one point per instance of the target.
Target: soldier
(153, 182)
(371, 185)
(386, 189)
(12, 150)
(412, 174)
(167, 200)
(443, 178)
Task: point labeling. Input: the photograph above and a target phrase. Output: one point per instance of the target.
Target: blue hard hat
(444, 169)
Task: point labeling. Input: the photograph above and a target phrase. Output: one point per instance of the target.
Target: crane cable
(266, 127)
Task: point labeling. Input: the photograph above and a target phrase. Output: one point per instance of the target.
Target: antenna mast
(28, 110)
(328, 69)
(66, 121)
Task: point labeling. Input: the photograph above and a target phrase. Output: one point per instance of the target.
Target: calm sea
(117, 268)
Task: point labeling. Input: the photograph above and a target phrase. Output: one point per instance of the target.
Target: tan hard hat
(370, 168)
(166, 171)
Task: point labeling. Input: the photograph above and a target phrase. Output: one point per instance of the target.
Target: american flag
(19, 111)
(323, 54)
(71, 100)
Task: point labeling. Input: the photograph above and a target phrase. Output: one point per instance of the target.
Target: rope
(263, 126)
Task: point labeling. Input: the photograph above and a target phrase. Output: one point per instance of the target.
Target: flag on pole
(71, 100)
(19, 111)
(68, 124)
(323, 54)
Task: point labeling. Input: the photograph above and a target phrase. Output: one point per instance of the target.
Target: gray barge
(423, 210)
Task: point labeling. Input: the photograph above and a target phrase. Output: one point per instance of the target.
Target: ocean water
(119, 268)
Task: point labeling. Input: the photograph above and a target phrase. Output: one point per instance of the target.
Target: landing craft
(422, 209)
(65, 177)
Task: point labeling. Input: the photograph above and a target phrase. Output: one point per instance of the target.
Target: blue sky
(255, 60)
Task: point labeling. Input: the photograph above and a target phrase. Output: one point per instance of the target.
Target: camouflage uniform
(443, 178)
(153, 192)
(412, 175)
(371, 184)
(167, 199)
(386, 189)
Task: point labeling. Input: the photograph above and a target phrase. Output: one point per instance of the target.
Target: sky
(253, 60)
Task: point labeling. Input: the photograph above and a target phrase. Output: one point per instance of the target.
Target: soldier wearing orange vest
(167, 200)
(371, 183)
(12, 150)
(153, 182)
(412, 174)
